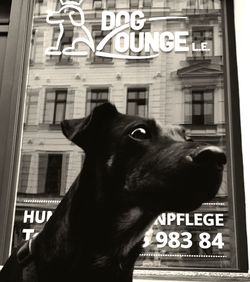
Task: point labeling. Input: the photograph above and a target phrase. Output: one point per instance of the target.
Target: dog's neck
(124, 240)
(83, 220)
(131, 226)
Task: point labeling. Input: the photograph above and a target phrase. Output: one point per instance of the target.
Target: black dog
(132, 173)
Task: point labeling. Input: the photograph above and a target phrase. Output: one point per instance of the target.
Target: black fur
(132, 172)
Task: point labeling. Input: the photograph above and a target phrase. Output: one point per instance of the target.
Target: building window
(37, 7)
(97, 4)
(203, 34)
(137, 102)
(96, 97)
(49, 174)
(24, 173)
(33, 47)
(55, 106)
(58, 5)
(66, 41)
(147, 3)
(36, 47)
(199, 107)
(111, 4)
(31, 108)
(200, 4)
(98, 36)
(134, 4)
(139, 43)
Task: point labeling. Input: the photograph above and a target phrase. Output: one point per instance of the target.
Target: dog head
(139, 164)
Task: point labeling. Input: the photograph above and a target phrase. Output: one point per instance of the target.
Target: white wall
(242, 8)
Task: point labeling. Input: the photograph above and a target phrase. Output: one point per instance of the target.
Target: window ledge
(200, 127)
(50, 126)
(102, 63)
(138, 61)
(185, 276)
(209, 59)
(204, 12)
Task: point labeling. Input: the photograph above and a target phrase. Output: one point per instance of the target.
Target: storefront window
(185, 87)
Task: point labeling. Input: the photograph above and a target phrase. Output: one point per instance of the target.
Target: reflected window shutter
(209, 107)
(70, 104)
(32, 107)
(42, 171)
(24, 173)
(111, 4)
(65, 166)
(187, 107)
(38, 52)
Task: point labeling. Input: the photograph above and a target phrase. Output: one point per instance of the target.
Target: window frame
(111, 4)
(198, 4)
(234, 131)
(133, 4)
(33, 46)
(90, 100)
(12, 114)
(202, 102)
(203, 29)
(55, 103)
(49, 157)
(61, 60)
(23, 166)
(137, 90)
(147, 4)
(146, 28)
(12, 101)
(98, 3)
(97, 59)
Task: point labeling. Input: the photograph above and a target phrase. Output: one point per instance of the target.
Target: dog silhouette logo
(120, 28)
(76, 16)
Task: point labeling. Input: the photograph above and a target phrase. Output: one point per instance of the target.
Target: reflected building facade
(185, 88)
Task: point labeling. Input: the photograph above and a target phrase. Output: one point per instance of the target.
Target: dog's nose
(210, 154)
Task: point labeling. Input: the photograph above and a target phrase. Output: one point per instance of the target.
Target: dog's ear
(84, 132)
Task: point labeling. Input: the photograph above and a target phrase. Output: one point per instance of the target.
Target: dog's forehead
(125, 123)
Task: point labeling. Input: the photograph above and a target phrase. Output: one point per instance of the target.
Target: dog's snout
(210, 154)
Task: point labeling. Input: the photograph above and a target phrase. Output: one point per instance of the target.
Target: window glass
(53, 168)
(201, 4)
(98, 36)
(96, 97)
(137, 102)
(137, 48)
(66, 41)
(203, 34)
(184, 88)
(134, 4)
(5, 10)
(147, 3)
(97, 4)
(111, 4)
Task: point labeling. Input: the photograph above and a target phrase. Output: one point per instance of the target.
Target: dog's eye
(140, 134)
